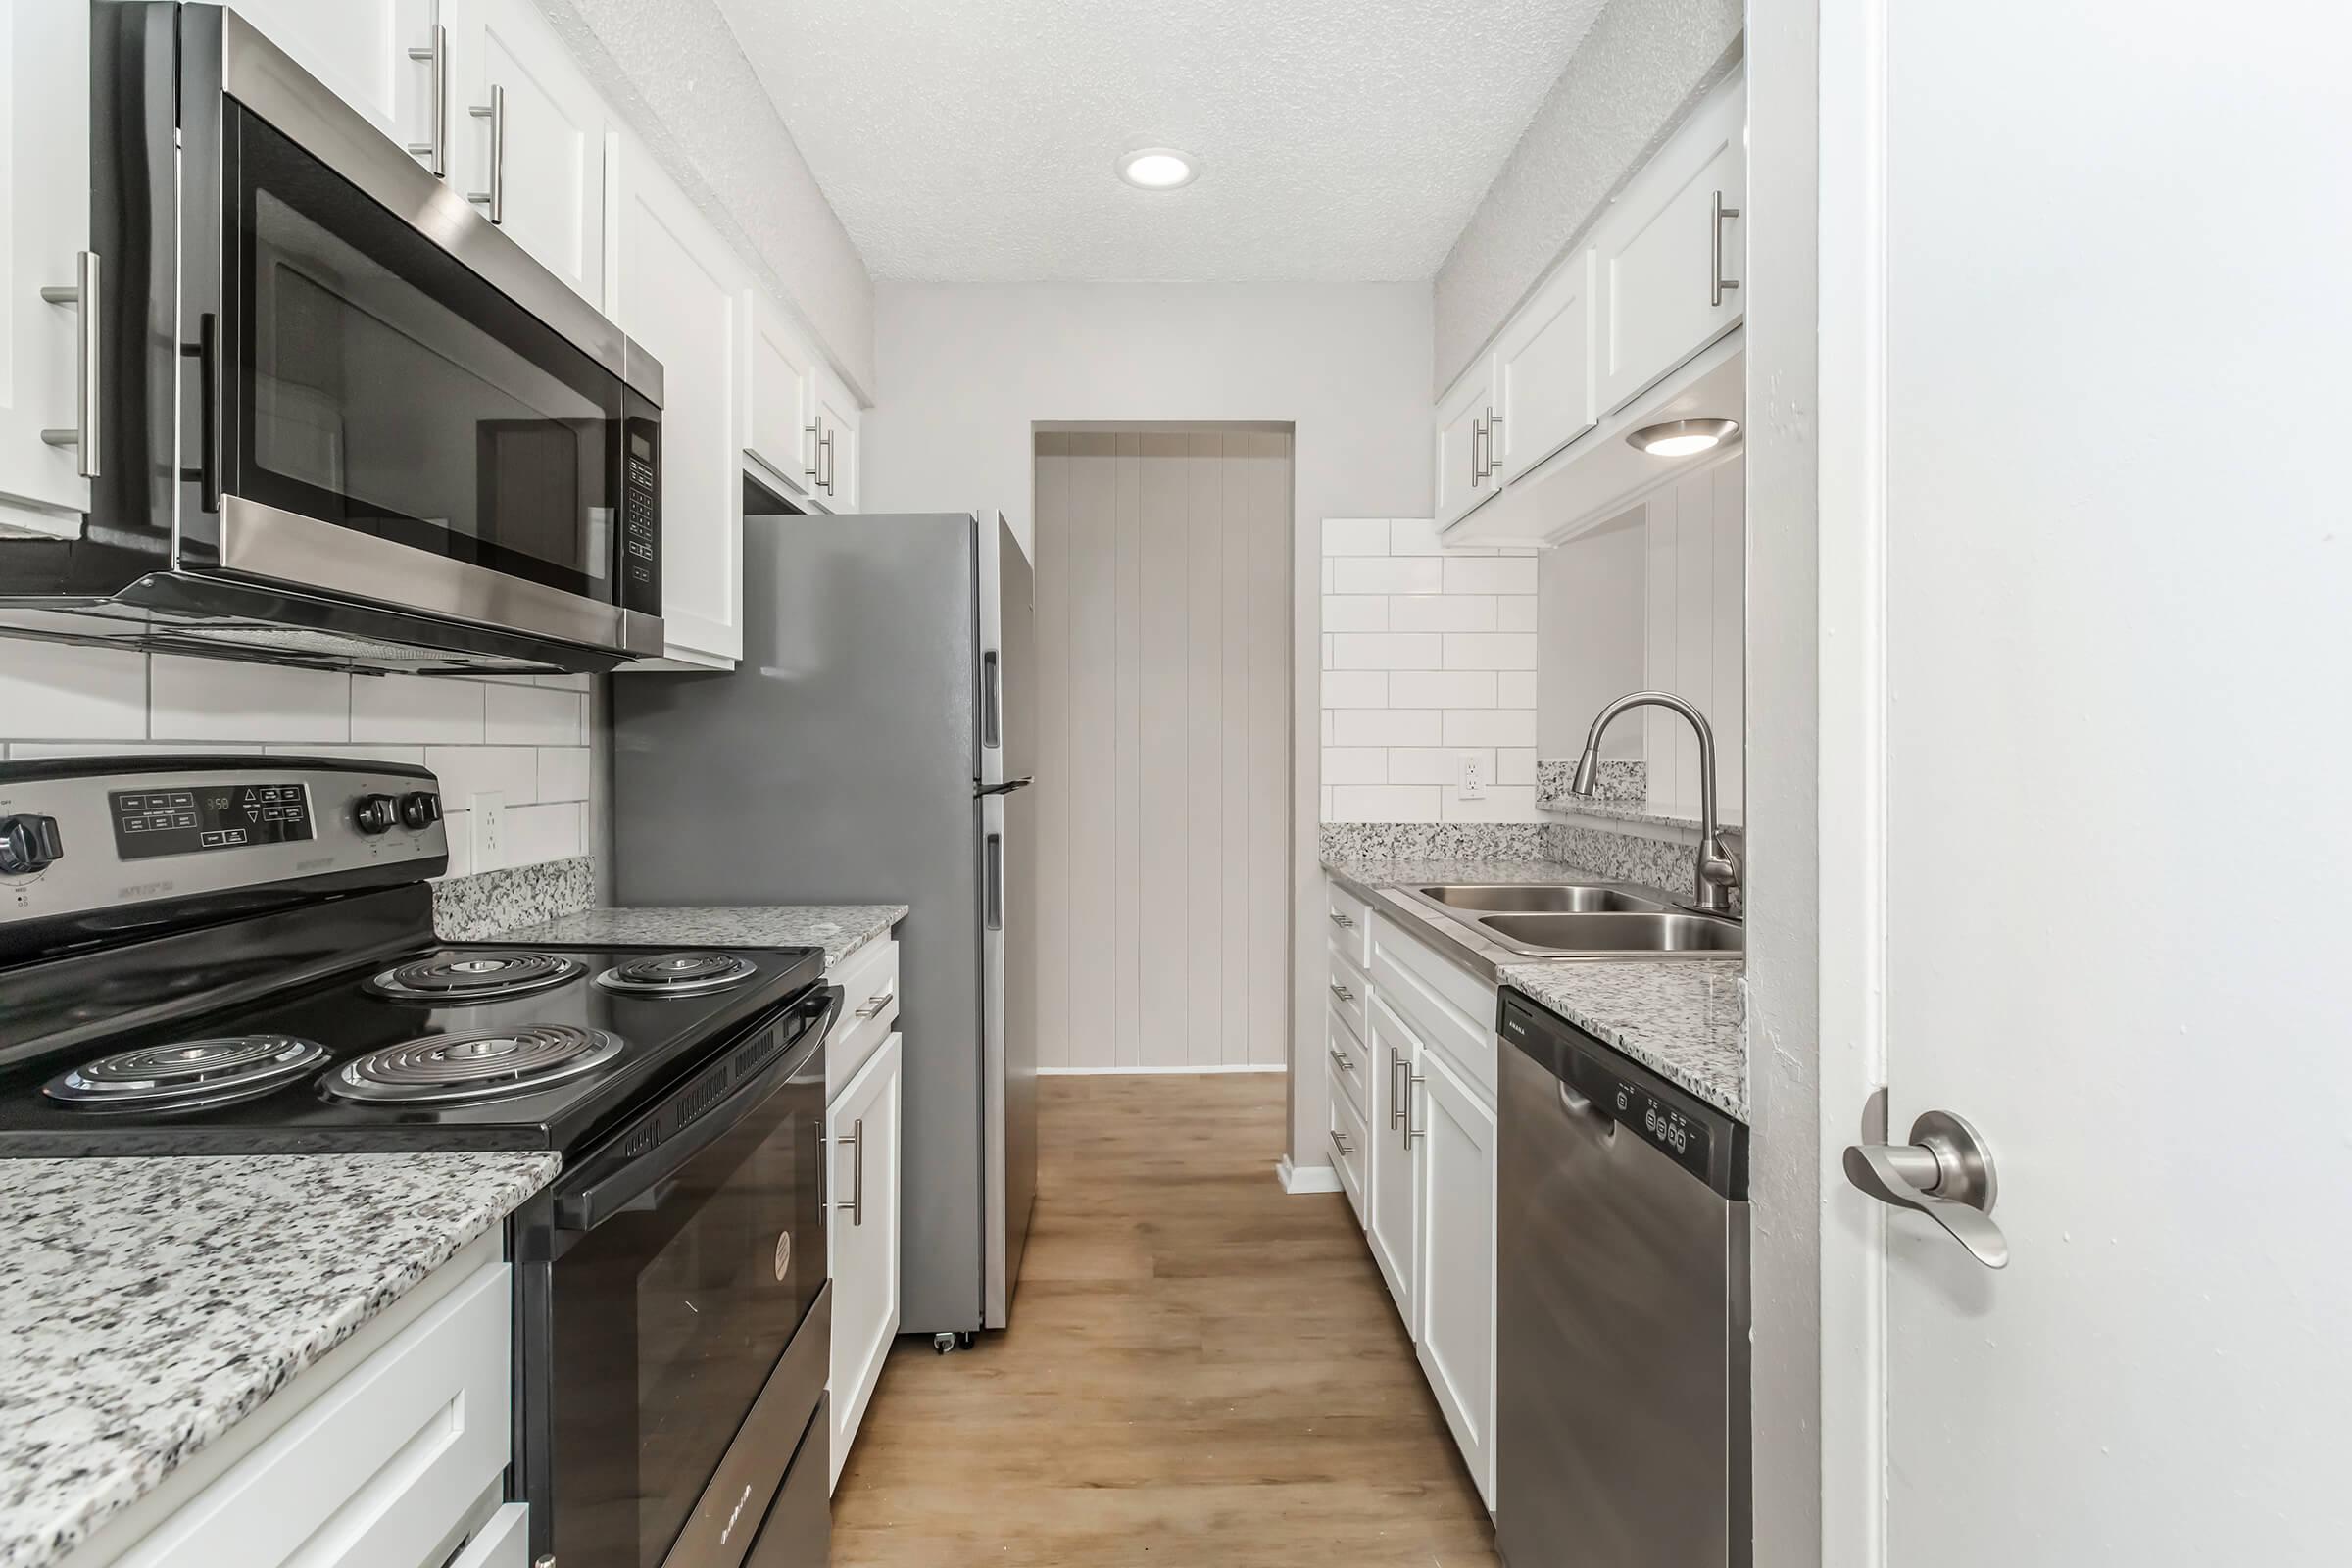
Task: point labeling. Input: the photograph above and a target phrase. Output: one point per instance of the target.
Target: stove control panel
(207, 816)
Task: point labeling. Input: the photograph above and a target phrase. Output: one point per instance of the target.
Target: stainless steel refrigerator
(873, 746)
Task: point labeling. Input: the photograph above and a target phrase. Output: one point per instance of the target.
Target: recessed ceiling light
(1678, 438)
(1157, 168)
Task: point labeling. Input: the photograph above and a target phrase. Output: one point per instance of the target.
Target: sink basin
(1665, 932)
(1542, 899)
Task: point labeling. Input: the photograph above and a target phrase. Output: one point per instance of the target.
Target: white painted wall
(525, 738)
(964, 370)
(1429, 656)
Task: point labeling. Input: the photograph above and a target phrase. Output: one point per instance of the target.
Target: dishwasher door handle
(1944, 1172)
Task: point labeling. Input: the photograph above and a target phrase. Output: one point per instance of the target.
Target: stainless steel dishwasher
(1622, 1311)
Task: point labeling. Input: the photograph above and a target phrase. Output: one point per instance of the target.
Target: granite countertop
(841, 929)
(1680, 1017)
(148, 1304)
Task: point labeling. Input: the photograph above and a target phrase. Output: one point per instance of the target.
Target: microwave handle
(598, 1200)
(207, 354)
(992, 699)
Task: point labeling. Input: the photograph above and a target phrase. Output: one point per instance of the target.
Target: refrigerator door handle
(993, 874)
(1009, 786)
(991, 732)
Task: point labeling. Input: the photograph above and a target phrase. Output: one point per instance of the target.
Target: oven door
(689, 1313)
(402, 406)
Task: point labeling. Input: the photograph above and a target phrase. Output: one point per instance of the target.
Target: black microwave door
(370, 380)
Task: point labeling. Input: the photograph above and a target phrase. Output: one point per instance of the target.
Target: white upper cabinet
(1464, 482)
(529, 139)
(1671, 256)
(779, 405)
(1543, 373)
(838, 418)
(378, 56)
(46, 212)
(681, 295)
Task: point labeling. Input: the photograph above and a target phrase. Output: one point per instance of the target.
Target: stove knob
(420, 808)
(27, 844)
(377, 814)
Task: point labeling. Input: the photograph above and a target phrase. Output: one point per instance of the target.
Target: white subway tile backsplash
(1437, 765)
(1383, 651)
(417, 709)
(466, 771)
(1500, 574)
(1388, 575)
(218, 700)
(1355, 765)
(533, 716)
(1507, 650)
(1442, 613)
(1355, 688)
(563, 773)
(1385, 726)
(1489, 726)
(1357, 612)
(1386, 802)
(1443, 688)
(62, 692)
(1355, 536)
(1415, 536)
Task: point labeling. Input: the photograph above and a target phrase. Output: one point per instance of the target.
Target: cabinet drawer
(1449, 1008)
(1343, 1049)
(1350, 924)
(503, 1543)
(382, 1469)
(1346, 988)
(1347, 1143)
(869, 1011)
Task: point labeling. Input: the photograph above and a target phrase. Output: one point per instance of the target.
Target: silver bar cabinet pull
(1412, 1132)
(1346, 1062)
(1342, 991)
(824, 447)
(1342, 921)
(495, 112)
(808, 469)
(88, 406)
(1944, 1172)
(857, 1200)
(435, 152)
(872, 1006)
(1396, 1104)
(1493, 424)
(1719, 285)
(1338, 1141)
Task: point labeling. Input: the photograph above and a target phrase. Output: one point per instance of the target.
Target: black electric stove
(236, 954)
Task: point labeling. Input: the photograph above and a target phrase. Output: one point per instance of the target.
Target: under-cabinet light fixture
(1678, 438)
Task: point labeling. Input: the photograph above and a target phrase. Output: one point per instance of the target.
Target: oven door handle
(591, 1205)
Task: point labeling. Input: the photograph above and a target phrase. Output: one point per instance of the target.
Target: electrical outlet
(486, 814)
(1474, 777)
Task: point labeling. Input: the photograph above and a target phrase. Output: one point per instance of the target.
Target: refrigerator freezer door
(1012, 1074)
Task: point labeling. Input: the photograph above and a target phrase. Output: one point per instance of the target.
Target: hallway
(1203, 1371)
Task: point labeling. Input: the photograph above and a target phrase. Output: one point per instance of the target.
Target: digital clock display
(207, 816)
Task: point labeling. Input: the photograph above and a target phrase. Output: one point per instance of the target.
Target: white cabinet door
(529, 141)
(1543, 373)
(681, 291)
(1396, 1188)
(861, 1128)
(45, 209)
(837, 420)
(1463, 483)
(1456, 1265)
(1669, 257)
(359, 50)
(779, 405)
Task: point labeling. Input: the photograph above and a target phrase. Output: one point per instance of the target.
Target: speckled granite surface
(1620, 780)
(841, 929)
(1683, 1021)
(133, 1343)
(1435, 841)
(474, 909)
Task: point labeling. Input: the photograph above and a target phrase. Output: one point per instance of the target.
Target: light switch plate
(486, 817)
(1474, 777)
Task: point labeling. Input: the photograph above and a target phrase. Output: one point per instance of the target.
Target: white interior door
(2085, 664)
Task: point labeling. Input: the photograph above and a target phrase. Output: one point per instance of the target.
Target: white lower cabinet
(1422, 1172)
(862, 1236)
(1455, 1341)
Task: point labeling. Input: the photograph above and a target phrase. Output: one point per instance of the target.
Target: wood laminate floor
(1203, 1371)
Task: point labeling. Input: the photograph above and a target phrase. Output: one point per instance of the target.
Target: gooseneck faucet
(1718, 870)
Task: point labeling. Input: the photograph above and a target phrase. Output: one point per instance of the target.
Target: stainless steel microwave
(342, 419)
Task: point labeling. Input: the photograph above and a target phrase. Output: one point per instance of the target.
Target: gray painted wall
(1784, 864)
(676, 73)
(1589, 636)
(1628, 84)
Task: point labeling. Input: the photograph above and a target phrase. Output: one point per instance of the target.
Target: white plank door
(1668, 249)
(2065, 586)
(45, 211)
(1163, 616)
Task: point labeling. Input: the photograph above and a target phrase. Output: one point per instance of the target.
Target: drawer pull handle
(1338, 1141)
(873, 1005)
(1342, 921)
(1346, 1061)
(1342, 991)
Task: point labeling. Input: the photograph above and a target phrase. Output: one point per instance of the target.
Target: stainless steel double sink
(1582, 920)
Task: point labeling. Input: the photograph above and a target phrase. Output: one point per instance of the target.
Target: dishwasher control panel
(1681, 1138)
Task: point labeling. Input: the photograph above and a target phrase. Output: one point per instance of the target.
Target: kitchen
(1212, 816)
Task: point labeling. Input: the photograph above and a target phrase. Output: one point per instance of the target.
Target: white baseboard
(1306, 1178)
(1139, 1072)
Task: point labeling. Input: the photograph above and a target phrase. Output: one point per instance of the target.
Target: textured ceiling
(973, 140)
